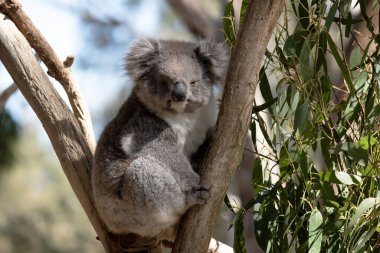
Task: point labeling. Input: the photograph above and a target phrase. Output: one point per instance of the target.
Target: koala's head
(176, 76)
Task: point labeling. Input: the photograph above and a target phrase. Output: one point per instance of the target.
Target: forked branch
(63, 129)
(55, 66)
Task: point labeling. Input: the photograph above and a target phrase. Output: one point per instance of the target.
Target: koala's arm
(199, 155)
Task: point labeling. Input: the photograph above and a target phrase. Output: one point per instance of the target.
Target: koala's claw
(200, 188)
(200, 195)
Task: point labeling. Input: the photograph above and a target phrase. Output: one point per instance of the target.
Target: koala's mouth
(176, 106)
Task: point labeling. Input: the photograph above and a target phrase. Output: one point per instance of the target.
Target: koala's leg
(189, 181)
(154, 201)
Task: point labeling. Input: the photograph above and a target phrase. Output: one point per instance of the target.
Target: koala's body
(143, 180)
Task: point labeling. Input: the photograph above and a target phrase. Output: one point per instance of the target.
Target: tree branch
(63, 129)
(6, 94)
(197, 20)
(55, 66)
(248, 158)
(232, 126)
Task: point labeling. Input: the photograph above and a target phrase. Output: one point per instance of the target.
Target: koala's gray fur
(143, 181)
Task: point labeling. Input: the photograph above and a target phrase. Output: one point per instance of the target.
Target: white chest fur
(191, 128)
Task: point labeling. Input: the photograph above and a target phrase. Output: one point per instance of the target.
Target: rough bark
(56, 67)
(232, 126)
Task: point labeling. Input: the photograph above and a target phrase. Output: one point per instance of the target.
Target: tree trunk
(232, 126)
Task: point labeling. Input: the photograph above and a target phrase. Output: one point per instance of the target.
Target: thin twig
(55, 66)
(6, 94)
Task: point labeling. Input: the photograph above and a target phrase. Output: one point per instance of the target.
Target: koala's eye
(195, 81)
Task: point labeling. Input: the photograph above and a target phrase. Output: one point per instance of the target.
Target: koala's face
(175, 76)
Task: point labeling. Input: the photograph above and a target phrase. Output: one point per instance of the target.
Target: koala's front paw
(198, 195)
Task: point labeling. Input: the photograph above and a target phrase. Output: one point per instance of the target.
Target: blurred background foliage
(8, 137)
(38, 210)
(315, 129)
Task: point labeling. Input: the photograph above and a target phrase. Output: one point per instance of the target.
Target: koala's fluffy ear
(140, 59)
(214, 57)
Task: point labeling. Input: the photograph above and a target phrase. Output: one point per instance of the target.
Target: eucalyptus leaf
(315, 231)
(317, 172)
(229, 24)
(264, 86)
(363, 239)
(303, 11)
(239, 239)
(356, 57)
(243, 9)
(344, 178)
(305, 58)
(331, 15)
(362, 209)
(342, 66)
(365, 142)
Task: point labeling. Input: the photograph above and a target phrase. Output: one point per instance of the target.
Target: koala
(143, 179)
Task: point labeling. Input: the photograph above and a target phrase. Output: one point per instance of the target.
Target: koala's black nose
(179, 92)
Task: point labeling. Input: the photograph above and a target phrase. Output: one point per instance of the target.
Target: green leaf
(325, 176)
(243, 9)
(286, 62)
(363, 208)
(295, 102)
(228, 24)
(365, 142)
(344, 178)
(363, 239)
(356, 57)
(259, 108)
(348, 25)
(331, 15)
(365, 16)
(357, 179)
(353, 150)
(326, 88)
(227, 202)
(341, 64)
(300, 116)
(284, 158)
(321, 55)
(257, 175)
(264, 86)
(305, 58)
(326, 143)
(239, 239)
(294, 43)
(315, 231)
(303, 10)
(365, 53)
(253, 134)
